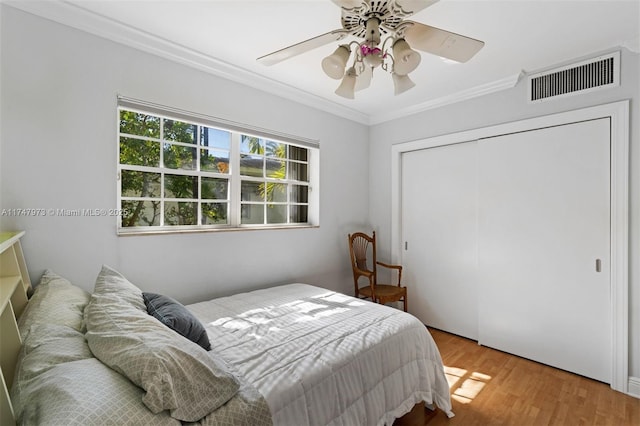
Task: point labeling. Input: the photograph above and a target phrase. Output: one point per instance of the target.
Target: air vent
(582, 77)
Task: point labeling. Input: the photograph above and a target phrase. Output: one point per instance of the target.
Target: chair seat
(384, 291)
(361, 247)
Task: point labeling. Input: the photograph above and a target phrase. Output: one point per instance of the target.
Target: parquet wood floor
(489, 387)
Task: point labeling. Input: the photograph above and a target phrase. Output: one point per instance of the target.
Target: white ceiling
(226, 37)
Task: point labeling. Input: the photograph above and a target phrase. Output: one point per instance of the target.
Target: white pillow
(55, 301)
(110, 281)
(85, 392)
(177, 374)
(46, 346)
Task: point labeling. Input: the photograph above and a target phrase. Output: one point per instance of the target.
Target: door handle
(598, 265)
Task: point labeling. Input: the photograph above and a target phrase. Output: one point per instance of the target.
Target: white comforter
(323, 358)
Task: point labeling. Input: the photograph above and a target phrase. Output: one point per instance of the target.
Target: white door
(543, 228)
(439, 188)
(507, 242)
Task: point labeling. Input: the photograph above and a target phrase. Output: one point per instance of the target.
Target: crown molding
(632, 44)
(77, 17)
(474, 92)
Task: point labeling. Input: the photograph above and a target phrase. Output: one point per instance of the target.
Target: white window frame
(234, 201)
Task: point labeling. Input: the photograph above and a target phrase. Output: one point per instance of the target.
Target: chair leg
(405, 303)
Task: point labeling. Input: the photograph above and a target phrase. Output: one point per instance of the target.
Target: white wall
(58, 150)
(503, 107)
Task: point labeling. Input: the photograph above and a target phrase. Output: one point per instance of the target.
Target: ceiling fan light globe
(334, 64)
(405, 58)
(348, 85)
(401, 83)
(363, 80)
(373, 60)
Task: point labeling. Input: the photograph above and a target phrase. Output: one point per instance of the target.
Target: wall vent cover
(586, 76)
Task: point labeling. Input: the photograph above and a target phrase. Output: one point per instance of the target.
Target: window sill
(125, 232)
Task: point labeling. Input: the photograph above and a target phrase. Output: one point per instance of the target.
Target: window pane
(140, 184)
(299, 214)
(277, 192)
(252, 214)
(276, 168)
(177, 186)
(252, 191)
(135, 123)
(140, 213)
(276, 149)
(251, 165)
(276, 213)
(297, 153)
(179, 213)
(182, 175)
(298, 171)
(215, 138)
(179, 131)
(251, 145)
(212, 160)
(139, 152)
(179, 157)
(214, 213)
(299, 194)
(214, 189)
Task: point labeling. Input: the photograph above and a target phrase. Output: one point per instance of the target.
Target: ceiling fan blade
(440, 42)
(414, 6)
(302, 47)
(348, 4)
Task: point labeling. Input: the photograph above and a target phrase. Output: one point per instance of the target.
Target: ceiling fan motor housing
(372, 29)
(386, 16)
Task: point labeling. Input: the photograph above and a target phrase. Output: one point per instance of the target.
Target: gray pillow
(174, 315)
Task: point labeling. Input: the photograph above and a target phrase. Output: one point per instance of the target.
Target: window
(183, 172)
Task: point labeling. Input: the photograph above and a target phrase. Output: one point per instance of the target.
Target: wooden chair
(360, 246)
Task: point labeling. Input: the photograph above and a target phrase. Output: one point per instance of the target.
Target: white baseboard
(634, 386)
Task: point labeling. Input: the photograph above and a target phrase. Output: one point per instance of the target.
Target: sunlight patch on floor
(453, 375)
(465, 386)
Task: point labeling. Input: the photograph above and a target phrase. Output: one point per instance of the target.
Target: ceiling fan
(385, 40)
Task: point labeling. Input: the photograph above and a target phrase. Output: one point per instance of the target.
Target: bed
(290, 355)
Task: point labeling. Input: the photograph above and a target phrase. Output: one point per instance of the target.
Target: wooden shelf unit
(15, 286)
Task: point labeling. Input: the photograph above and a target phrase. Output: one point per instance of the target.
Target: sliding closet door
(543, 246)
(439, 232)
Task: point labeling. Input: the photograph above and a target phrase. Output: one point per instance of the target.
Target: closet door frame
(618, 112)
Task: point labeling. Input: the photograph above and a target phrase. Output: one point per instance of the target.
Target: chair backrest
(361, 246)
